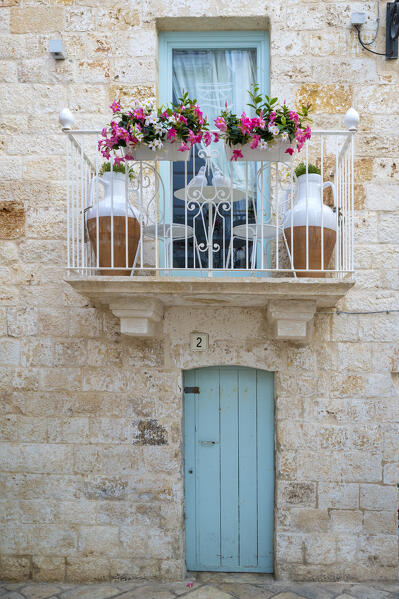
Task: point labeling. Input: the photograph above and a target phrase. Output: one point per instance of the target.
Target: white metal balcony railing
(210, 216)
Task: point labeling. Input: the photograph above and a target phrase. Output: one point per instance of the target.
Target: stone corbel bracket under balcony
(139, 302)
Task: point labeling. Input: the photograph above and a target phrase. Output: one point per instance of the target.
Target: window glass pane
(213, 77)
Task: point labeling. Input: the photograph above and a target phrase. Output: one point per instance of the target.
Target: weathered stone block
(290, 547)
(379, 550)
(381, 522)
(15, 568)
(309, 520)
(346, 520)
(31, 429)
(330, 98)
(68, 430)
(86, 322)
(137, 543)
(391, 474)
(9, 351)
(88, 569)
(37, 19)
(378, 497)
(53, 379)
(102, 487)
(12, 218)
(99, 540)
(293, 434)
(297, 493)
(21, 321)
(320, 549)
(36, 458)
(115, 513)
(47, 569)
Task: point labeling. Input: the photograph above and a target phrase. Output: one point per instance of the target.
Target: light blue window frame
(171, 40)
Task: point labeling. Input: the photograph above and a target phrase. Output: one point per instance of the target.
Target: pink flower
(129, 157)
(302, 136)
(289, 151)
(115, 106)
(183, 148)
(307, 133)
(190, 585)
(215, 136)
(182, 119)
(258, 122)
(246, 124)
(192, 138)
(171, 134)
(255, 142)
(236, 155)
(104, 132)
(118, 160)
(272, 117)
(199, 114)
(221, 123)
(138, 113)
(294, 117)
(207, 138)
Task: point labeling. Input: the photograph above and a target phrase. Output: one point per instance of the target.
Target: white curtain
(214, 76)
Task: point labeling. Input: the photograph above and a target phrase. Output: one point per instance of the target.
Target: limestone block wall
(91, 481)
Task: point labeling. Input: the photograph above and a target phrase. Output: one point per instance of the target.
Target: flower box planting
(272, 134)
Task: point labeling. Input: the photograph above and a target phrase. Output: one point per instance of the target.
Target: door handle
(208, 442)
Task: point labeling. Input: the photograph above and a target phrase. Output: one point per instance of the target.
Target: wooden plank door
(229, 469)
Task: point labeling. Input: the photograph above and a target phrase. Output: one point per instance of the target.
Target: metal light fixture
(57, 49)
(392, 29)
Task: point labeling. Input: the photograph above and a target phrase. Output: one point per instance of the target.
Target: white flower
(151, 119)
(274, 130)
(262, 145)
(158, 144)
(152, 146)
(158, 128)
(285, 136)
(172, 119)
(148, 105)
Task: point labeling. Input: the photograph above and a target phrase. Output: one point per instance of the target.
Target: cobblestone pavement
(222, 587)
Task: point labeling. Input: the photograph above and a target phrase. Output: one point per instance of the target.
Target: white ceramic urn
(309, 208)
(310, 227)
(114, 197)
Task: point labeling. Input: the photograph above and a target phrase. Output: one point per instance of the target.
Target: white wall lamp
(57, 49)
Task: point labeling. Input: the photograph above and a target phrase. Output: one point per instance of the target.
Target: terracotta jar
(309, 210)
(111, 213)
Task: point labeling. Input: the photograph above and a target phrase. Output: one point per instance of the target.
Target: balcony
(206, 231)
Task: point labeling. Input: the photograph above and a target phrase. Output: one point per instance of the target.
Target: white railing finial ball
(351, 119)
(66, 118)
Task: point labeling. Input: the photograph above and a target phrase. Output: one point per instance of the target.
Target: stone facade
(91, 428)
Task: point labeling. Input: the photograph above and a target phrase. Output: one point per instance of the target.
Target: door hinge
(192, 390)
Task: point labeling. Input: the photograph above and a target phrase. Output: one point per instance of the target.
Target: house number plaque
(199, 341)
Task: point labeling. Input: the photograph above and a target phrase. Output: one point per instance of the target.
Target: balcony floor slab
(139, 301)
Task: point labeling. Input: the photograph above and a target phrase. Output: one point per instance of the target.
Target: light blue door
(229, 469)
